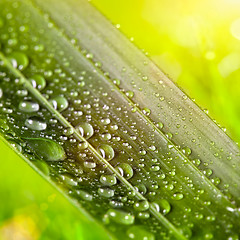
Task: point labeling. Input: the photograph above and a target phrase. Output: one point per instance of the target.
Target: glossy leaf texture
(98, 119)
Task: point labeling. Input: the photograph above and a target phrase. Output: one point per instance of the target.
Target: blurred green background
(197, 43)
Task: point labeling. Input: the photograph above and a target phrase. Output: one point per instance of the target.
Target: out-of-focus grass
(196, 43)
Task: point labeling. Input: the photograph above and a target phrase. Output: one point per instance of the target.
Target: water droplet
(83, 145)
(105, 121)
(139, 233)
(125, 170)
(106, 151)
(121, 217)
(142, 205)
(68, 180)
(177, 196)
(59, 103)
(84, 195)
(108, 180)
(1, 93)
(106, 192)
(89, 164)
(129, 94)
(19, 60)
(46, 149)
(162, 205)
(86, 130)
(35, 123)
(187, 151)
(106, 136)
(42, 166)
(28, 106)
(38, 82)
(146, 111)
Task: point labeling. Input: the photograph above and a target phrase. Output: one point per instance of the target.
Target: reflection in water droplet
(142, 205)
(89, 164)
(19, 60)
(28, 106)
(121, 217)
(108, 180)
(35, 123)
(162, 205)
(106, 151)
(139, 233)
(38, 82)
(106, 192)
(86, 130)
(177, 196)
(59, 103)
(84, 195)
(125, 170)
(46, 149)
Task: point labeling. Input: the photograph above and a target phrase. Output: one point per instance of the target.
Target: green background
(196, 43)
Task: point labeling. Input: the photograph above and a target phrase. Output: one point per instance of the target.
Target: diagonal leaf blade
(103, 145)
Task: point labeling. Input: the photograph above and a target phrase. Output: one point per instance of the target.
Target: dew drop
(177, 196)
(68, 180)
(139, 233)
(125, 170)
(46, 149)
(142, 205)
(59, 103)
(84, 195)
(89, 164)
(28, 106)
(162, 205)
(38, 82)
(187, 151)
(106, 151)
(121, 217)
(19, 60)
(86, 130)
(108, 180)
(106, 192)
(35, 123)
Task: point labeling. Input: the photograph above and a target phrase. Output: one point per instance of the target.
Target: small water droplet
(106, 192)
(125, 170)
(108, 180)
(106, 151)
(121, 217)
(59, 103)
(177, 196)
(35, 123)
(28, 106)
(142, 205)
(84, 195)
(19, 60)
(38, 82)
(86, 130)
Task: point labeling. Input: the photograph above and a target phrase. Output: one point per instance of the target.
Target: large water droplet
(19, 60)
(28, 106)
(139, 233)
(35, 123)
(121, 217)
(59, 103)
(38, 82)
(86, 130)
(125, 170)
(106, 151)
(46, 149)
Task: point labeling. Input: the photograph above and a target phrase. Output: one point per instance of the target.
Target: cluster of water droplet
(102, 150)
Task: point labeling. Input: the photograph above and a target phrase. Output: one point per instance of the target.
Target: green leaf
(101, 121)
